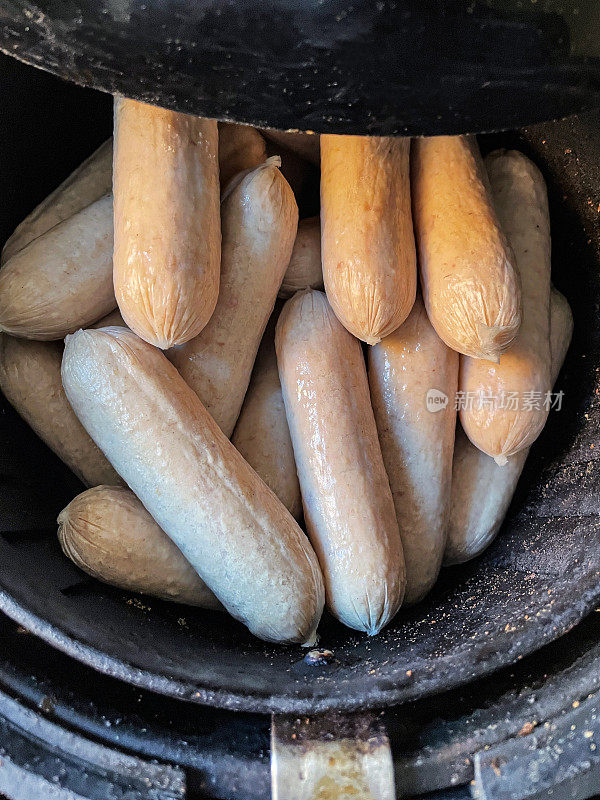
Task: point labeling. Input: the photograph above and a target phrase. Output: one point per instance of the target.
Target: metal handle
(331, 756)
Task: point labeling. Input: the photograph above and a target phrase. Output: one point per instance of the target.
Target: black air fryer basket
(380, 68)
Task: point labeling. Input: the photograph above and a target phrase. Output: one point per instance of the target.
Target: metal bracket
(331, 757)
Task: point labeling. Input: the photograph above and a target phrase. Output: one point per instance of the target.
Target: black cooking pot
(537, 581)
(337, 66)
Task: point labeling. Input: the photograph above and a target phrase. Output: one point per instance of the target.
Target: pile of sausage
(210, 420)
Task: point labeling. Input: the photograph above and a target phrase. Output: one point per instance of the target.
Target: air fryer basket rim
(381, 68)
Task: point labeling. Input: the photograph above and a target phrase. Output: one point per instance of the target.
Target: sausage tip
(489, 346)
(312, 639)
(73, 335)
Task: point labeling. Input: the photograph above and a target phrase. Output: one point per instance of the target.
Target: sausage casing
(348, 506)
(304, 270)
(262, 434)
(228, 524)
(108, 533)
(505, 405)
(413, 377)
(241, 147)
(30, 380)
(471, 287)
(482, 490)
(89, 182)
(166, 221)
(367, 241)
(62, 280)
(259, 220)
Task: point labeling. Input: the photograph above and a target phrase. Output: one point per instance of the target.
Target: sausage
(504, 409)
(108, 533)
(228, 524)
(304, 270)
(304, 144)
(259, 220)
(470, 282)
(62, 280)
(262, 435)
(30, 380)
(348, 506)
(408, 372)
(89, 182)
(241, 147)
(167, 242)
(481, 490)
(367, 242)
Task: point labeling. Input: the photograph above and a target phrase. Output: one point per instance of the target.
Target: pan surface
(540, 577)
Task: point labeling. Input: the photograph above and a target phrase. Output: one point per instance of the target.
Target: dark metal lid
(339, 66)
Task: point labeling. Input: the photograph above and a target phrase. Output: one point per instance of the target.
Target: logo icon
(436, 400)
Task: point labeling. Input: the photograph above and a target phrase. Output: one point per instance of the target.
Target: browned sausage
(166, 221)
(505, 407)
(481, 490)
(367, 242)
(470, 284)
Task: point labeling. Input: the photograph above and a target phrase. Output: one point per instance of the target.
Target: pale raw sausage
(304, 270)
(228, 524)
(30, 380)
(62, 280)
(259, 219)
(89, 182)
(262, 435)
(108, 533)
(348, 506)
(413, 377)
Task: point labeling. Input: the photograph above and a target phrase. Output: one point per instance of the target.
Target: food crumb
(320, 657)
(136, 603)
(527, 728)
